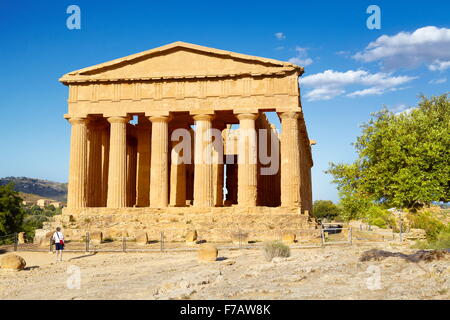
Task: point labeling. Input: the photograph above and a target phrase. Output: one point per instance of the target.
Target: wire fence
(165, 240)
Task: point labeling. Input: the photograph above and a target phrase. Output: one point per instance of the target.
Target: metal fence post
(50, 248)
(350, 235)
(161, 242)
(401, 230)
(15, 241)
(87, 241)
(240, 238)
(124, 244)
(322, 236)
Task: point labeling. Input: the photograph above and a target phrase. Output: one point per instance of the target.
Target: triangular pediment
(180, 60)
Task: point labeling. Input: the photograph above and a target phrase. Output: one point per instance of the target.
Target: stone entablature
(160, 81)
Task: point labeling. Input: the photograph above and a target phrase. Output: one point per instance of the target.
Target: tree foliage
(403, 159)
(325, 209)
(11, 213)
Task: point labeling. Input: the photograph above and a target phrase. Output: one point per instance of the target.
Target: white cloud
(402, 109)
(438, 81)
(301, 62)
(301, 58)
(330, 83)
(366, 92)
(280, 36)
(406, 111)
(323, 93)
(428, 45)
(439, 65)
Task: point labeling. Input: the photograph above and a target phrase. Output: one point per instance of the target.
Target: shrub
(276, 249)
(33, 222)
(426, 221)
(325, 209)
(380, 217)
(442, 241)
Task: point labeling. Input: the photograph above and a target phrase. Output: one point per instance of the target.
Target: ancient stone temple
(177, 138)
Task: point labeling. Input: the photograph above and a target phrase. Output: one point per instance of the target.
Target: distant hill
(42, 188)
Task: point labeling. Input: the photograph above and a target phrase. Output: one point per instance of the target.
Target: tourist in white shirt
(58, 239)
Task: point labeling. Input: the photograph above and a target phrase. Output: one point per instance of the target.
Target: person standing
(58, 239)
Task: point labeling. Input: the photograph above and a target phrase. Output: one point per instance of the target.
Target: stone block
(96, 237)
(13, 262)
(141, 238)
(207, 253)
(44, 241)
(21, 237)
(288, 238)
(191, 237)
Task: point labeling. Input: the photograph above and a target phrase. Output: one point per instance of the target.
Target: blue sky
(350, 70)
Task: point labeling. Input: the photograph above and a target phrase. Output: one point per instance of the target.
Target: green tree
(403, 159)
(325, 209)
(11, 213)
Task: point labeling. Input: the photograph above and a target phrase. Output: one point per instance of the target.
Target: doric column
(159, 182)
(203, 172)
(290, 160)
(131, 172)
(190, 171)
(218, 166)
(143, 164)
(76, 197)
(218, 181)
(94, 164)
(105, 163)
(117, 181)
(177, 177)
(247, 160)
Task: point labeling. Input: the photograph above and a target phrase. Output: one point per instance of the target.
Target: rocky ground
(321, 273)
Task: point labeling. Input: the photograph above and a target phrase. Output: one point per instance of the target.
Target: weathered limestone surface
(191, 236)
(207, 253)
(117, 181)
(203, 172)
(13, 262)
(212, 224)
(21, 238)
(159, 182)
(247, 160)
(141, 238)
(288, 238)
(143, 164)
(178, 190)
(127, 175)
(96, 237)
(290, 160)
(77, 193)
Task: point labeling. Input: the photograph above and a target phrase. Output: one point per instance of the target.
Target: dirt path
(325, 273)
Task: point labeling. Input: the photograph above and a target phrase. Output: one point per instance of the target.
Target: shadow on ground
(83, 256)
(421, 255)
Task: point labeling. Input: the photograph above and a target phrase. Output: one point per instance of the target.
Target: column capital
(118, 119)
(247, 116)
(203, 117)
(77, 120)
(159, 118)
(289, 115)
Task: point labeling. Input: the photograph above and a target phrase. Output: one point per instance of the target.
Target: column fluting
(117, 172)
(290, 160)
(77, 189)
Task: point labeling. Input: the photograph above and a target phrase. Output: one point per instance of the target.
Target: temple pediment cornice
(180, 60)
